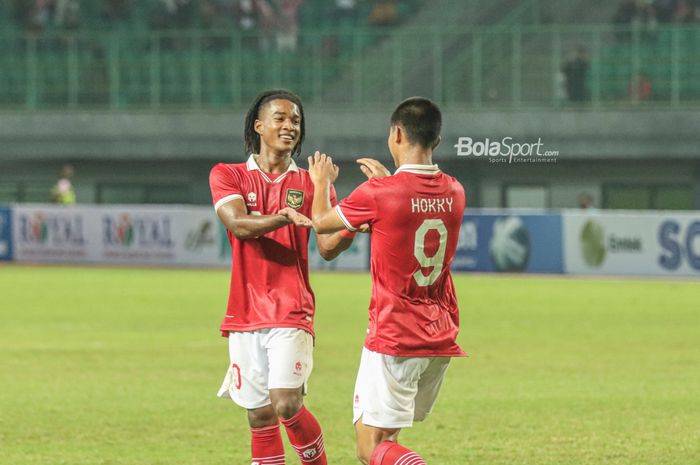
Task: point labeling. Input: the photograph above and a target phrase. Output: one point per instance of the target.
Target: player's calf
(266, 445)
(306, 437)
(368, 438)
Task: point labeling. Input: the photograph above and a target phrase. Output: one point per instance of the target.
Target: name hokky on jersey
(415, 216)
(270, 274)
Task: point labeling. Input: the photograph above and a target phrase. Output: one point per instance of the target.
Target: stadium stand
(207, 53)
(147, 56)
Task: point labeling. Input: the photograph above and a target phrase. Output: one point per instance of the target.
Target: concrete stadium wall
(178, 149)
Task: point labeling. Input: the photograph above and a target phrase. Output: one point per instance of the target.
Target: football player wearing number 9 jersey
(414, 218)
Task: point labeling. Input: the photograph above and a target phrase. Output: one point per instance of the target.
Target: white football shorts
(273, 358)
(393, 392)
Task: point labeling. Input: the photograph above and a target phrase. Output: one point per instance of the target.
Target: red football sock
(304, 433)
(266, 445)
(390, 453)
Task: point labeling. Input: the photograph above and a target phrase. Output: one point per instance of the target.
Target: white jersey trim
(252, 165)
(418, 169)
(344, 220)
(226, 199)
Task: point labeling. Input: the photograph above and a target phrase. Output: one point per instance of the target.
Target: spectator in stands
(626, 10)
(625, 13)
(116, 10)
(576, 72)
(22, 12)
(664, 10)
(267, 21)
(345, 9)
(256, 19)
(247, 22)
(384, 13)
(684, 12)
(345, 14)
(561, 93)
(170, 14)
(585, 201)
(645, 20)
(344, 19)
(639, 88)
(67, 13)
(213, 17)
(288, 25)
(34, 15)
(245, 12)
(640, 14)
(62, 192)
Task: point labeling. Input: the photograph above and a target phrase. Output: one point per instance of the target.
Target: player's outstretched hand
(295, 218)
(321, 168)
(372, 168)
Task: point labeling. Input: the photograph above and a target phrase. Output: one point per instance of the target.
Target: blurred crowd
(264, 24)
(274, 22)
(642, 16)
(648, 13)
(37, 15)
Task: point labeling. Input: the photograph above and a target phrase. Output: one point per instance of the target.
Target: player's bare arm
(235, 217)
(323, 172)
(332, 245)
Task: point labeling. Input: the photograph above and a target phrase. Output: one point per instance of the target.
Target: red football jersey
(415, 216)
(270, 274)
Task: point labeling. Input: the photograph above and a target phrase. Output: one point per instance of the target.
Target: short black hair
(252, 138)
(421, 119)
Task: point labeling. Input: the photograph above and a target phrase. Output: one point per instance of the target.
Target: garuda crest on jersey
(295, 198)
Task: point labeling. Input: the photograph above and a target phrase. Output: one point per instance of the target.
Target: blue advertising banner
(512, 243)
(5, 234)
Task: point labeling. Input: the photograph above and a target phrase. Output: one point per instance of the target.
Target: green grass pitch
(121, 366)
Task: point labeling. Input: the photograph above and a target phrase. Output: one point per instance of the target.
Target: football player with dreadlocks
(265, 204)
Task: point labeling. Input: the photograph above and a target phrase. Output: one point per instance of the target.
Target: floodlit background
(119, 365)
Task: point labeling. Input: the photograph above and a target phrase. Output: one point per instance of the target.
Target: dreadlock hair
(252, 138)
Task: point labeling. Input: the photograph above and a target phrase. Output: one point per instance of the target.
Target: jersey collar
(252, 165)
(418, 169)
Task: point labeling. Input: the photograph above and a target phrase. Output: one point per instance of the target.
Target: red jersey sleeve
(359, 207)
(225, 185)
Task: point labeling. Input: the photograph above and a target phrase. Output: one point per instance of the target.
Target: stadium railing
(515, 66)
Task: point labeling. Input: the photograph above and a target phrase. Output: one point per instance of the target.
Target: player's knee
(261, 417)
(287, 406)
